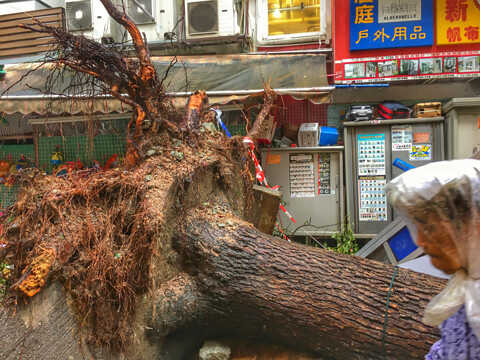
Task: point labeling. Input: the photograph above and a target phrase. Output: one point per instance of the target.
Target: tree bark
(243, 282)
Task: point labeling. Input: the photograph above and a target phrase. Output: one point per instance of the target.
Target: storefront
(82, 131)
(416, 53)
(416, 40)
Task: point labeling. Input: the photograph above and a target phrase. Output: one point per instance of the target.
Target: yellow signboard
(458, 21)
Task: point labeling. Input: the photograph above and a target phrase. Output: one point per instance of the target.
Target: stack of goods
(393, 110)
(359, 113)
(427, 110)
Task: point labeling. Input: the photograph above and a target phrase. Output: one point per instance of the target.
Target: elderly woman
(441, 204)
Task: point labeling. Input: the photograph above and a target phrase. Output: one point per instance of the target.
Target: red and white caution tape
(260, 175)
(287, 213)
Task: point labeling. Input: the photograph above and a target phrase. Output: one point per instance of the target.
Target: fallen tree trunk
(214, 272)
(240, 281)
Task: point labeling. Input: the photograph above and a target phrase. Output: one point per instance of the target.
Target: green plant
(4, 270)
(346, 242)
(280, 231)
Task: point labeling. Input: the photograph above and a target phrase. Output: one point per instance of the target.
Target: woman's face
(435, 237)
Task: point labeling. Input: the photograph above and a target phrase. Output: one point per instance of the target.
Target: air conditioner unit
(160, 26)
(210, 18)
(141, 11)
(79, 15)
(91, 19)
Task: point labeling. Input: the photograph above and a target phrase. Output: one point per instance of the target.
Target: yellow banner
(458, 21)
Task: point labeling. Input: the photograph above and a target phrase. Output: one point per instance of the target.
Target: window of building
(279, 20)
(293, 17)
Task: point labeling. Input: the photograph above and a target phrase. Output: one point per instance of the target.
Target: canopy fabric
(228, 75)
(244, 72)
(45, 106)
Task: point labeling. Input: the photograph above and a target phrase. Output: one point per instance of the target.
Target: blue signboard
(382, 24)
(402, 244)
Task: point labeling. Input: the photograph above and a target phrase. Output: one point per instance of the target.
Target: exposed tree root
(98, 233)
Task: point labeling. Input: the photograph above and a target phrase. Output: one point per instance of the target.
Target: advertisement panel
(458, 21)
(411, 67)
(383, 24)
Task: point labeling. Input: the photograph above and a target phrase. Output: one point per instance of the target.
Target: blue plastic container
(328, 136)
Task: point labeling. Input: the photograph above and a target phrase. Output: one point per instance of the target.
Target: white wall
(21, 6)
(55, 3)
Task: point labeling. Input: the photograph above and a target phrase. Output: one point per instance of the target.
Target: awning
(226, 78)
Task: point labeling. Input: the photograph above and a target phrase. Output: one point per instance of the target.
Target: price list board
(371, 154)
(324, 185)
(301, 176)
(373, 200)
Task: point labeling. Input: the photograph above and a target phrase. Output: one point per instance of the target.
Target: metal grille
(296, 112)
(79, 15)
(8, 195)
(78, 148)
(73, 143)
(317, 113)
(72, 140)
(202, 17)
(12, 153)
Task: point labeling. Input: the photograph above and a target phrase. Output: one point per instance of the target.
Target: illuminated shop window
(293, 17)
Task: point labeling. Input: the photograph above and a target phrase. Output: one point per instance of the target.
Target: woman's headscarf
(451, 191)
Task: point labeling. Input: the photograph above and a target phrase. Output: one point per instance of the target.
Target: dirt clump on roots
(105, 235)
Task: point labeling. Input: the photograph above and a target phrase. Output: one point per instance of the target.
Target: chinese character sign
(381, 24)
(458, 21)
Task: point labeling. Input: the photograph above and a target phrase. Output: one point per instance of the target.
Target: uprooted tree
(167, 249)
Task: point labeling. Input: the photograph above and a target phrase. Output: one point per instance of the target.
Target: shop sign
(458, 21)
(382, 24)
